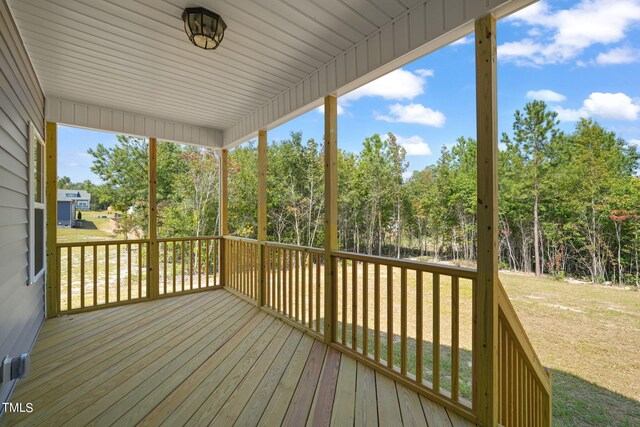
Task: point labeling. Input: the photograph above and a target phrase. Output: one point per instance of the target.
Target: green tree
(534, 130)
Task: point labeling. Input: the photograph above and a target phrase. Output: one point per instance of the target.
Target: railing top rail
(100, 243)
(295, 247)
(465, 273)
(241, 239)
(186, 239)
(521, 337)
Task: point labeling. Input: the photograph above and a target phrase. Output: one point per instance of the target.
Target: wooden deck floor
(204, 359)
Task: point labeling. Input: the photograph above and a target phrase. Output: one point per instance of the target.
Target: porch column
(51, 208)
(153, 276)
(485, 345)
(223, 208)
(330, 212)
(262, 213)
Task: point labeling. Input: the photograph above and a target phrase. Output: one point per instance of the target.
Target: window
(37, 218)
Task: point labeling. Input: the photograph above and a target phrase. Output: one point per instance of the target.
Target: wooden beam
(154, 258)
(51, 170)
(485, 293)
(262, 213)
(223, 208)
(330, 212)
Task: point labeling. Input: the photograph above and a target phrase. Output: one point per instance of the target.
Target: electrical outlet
(15, 368)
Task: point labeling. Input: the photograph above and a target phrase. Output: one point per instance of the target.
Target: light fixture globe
(204, 28)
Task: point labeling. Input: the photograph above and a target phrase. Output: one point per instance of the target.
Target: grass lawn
(590, 336)
(93, 228)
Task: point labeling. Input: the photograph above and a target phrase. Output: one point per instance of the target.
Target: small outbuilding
(66, 213)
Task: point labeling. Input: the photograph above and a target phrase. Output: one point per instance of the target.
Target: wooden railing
(427, 341)
(294, 284)
(242, 270)
(411, 320)
(106, 273)
(524, 386)
(100, 274)
(188, 264)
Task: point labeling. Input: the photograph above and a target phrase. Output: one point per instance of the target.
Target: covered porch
(226, 330)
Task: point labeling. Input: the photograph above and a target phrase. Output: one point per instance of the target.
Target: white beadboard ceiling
(275, 61)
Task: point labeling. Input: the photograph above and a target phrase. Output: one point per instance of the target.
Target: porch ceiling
(133, 55)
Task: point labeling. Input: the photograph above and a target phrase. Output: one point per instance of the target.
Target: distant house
(82, 198)
(66, 213)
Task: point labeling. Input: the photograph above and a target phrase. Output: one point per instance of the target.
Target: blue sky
(581, 57)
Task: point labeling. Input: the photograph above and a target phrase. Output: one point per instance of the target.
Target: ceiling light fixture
(204, 28)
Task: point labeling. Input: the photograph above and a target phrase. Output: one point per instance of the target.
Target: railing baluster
(436, 332)
(275, 278)
(419, 327)
(344, 301)
(389, 317)
(319, 278)
(182, 257)
(310, 284)
(455, 337)
(296, 273)
(376, 312)
(59, 284)
(365, 309)
(118, 272)
(139, 270)
(191, 263)
(354, 305)
(303, 286)
(163, 250)
(291, 284)
(200, 263)
(69, 277)
(216, 249)
(82, 276)
(106, 274)
(173, 265)
(95, 275)
(129, 271)
(403, 321)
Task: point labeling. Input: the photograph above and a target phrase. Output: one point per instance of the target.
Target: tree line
(569, 202)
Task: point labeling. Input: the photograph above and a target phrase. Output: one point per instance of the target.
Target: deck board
(204, 359)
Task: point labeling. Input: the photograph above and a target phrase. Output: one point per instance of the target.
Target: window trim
(33, 205)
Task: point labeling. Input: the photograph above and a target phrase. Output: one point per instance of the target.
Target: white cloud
(635, 142)
(414, 145)
(572, 30)
(546, 95)
(619, 55)
(608, 106)
(341, 110)
(399, 84)
(413, 113)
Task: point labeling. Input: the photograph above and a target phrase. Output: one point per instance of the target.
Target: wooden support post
(262, 214)
(223, 208)
(51, 189)
(153, 278)
(485, 295)
(330, 213)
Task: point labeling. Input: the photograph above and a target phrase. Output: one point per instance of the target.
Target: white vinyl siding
(21, 102)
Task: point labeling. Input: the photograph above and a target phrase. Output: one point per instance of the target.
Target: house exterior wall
(21, 101)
